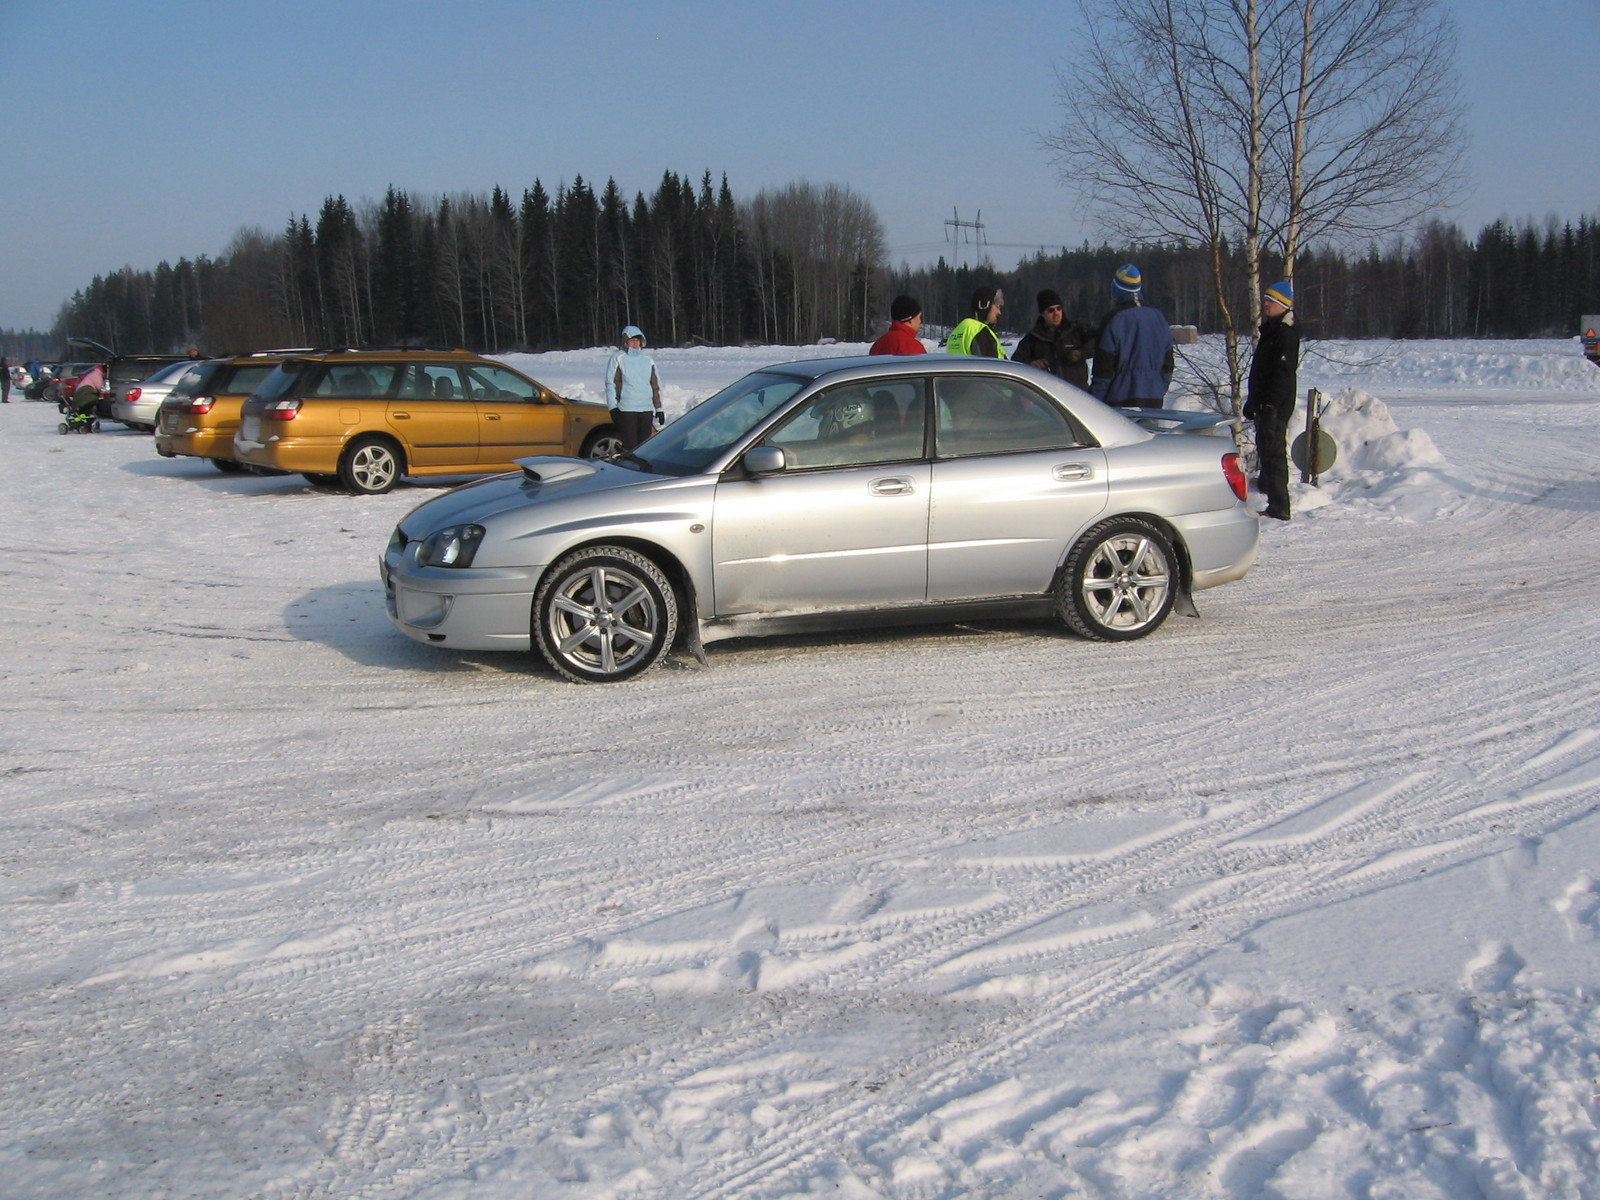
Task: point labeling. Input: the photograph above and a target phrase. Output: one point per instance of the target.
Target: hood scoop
(548, 468)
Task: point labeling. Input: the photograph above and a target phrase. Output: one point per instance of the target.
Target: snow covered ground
(1298, 899)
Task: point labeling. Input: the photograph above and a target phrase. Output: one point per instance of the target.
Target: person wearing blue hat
(633, 390)
(1270, 395)
(1133, 361)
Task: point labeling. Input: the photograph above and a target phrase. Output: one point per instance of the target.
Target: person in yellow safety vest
(976, 335)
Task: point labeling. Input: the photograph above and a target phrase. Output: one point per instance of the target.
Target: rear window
(283, 379)
(243, 378)
(196, 384)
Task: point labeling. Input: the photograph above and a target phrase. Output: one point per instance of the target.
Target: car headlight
(453, 546)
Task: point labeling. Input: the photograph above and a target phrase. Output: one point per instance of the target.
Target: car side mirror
(764, 460)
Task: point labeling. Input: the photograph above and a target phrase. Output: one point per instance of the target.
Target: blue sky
(141, 132)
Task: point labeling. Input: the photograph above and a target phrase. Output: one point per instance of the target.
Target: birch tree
(1253, 128)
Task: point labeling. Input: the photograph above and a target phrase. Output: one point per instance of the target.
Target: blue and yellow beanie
(1282, 292)
(1127, 281)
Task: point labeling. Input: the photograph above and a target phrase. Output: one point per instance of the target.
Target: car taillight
(134, 393)
(281, 410)
(200, 404)
(1235, 474)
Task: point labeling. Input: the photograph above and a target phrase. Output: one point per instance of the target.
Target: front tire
(371, 466)
(316, 479)
(604, 614)
(1119, 581)
(228, 466)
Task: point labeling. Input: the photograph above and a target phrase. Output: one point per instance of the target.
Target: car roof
(388, 354)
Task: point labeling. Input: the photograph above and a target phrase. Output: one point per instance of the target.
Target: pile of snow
(1378, 464)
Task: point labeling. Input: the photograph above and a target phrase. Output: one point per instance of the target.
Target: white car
(137, 409)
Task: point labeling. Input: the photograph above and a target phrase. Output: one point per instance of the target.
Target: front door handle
(895, 486)
(1072, 472)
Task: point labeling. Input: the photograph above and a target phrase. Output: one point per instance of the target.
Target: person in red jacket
(901, 337)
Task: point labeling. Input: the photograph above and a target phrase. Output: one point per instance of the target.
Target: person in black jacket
(1270, 398)
(1056, 344)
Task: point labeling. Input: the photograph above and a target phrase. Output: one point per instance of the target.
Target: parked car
(365, 418)
(65, 380)
(42, 382)
(201, 414)
(847, 490)
(137, 406)
(121, 371)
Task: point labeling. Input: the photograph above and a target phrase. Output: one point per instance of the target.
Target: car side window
(856, 424)
(356, 380)
(498, 383)
(431, 381)
(989, 415)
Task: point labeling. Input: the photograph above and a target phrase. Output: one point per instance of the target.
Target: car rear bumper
(316, 456)
(195, 443)
(1222, 544)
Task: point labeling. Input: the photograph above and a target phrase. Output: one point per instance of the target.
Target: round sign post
(1326, 450)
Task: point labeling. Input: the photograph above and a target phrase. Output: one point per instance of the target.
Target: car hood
(542, 480)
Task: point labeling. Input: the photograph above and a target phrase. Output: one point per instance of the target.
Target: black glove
(1249, 410)
(661, 417)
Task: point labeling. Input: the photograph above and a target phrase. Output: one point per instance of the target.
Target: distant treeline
(693, 266)
(1512, 282)
(688, 264)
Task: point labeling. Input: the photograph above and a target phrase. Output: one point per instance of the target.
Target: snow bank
(1396, 471)
(1552, 364)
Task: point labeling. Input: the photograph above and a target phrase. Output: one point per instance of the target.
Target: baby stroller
(79, 409)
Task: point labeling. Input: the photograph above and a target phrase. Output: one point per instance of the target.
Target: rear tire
(602, 443)
(604, 614)
(322, 481)
(371, 465)
(228, 466)
(1119, 581)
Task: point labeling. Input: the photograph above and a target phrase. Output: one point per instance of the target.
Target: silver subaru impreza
(841, 491)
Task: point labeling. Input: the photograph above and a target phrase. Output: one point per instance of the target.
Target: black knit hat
(983, 297)
(1049, 298)
(903, 308)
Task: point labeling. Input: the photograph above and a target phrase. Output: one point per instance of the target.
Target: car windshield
(695, 440)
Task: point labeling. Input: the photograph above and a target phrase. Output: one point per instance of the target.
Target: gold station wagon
(365, 418)
(201, 414)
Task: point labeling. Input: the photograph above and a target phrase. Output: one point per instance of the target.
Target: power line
(956, 231)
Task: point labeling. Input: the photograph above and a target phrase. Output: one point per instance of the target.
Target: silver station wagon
(846, 491)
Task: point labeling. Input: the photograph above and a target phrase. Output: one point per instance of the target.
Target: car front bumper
(471, 609)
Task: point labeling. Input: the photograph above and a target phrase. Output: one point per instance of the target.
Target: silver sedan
(842, 491)
(137, 409)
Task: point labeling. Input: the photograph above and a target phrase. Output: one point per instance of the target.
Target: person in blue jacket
(1133, 362)
(633, 389)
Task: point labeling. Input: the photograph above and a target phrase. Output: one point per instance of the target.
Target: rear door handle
(892, 487)
(1072, 472)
